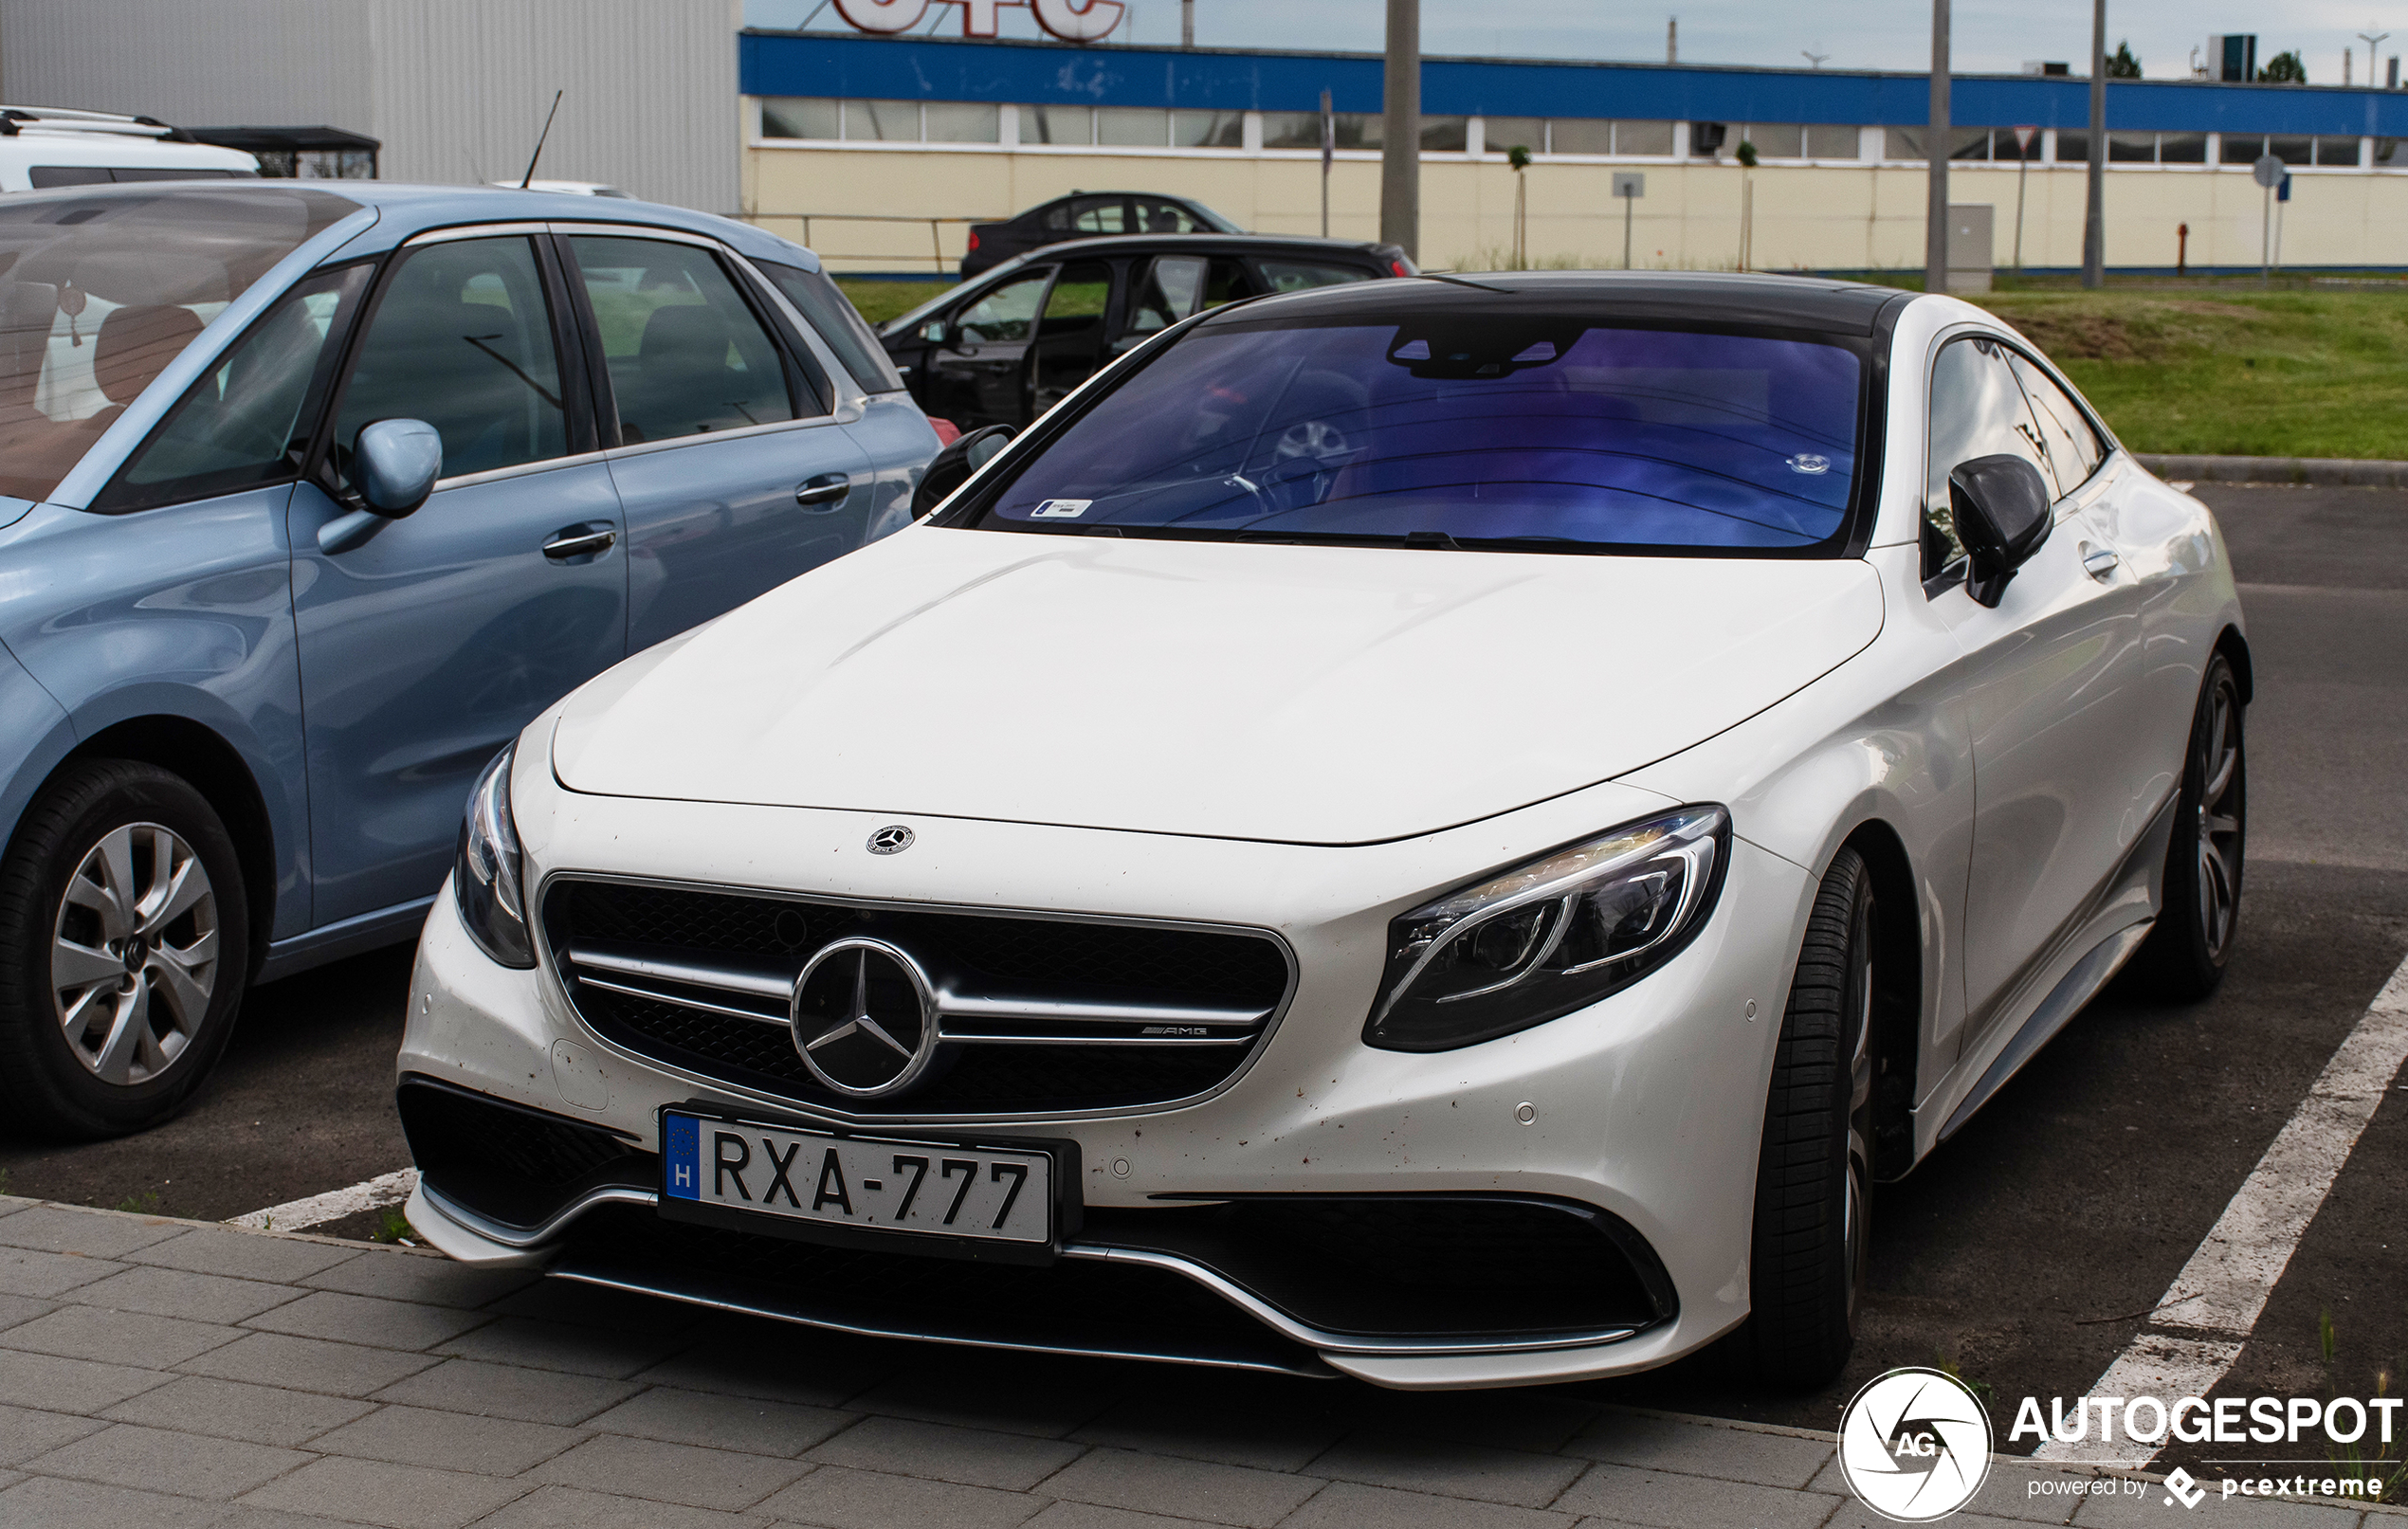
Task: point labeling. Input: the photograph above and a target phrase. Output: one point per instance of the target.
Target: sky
(1989, 36)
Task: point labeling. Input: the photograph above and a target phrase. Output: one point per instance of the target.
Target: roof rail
(16, 120)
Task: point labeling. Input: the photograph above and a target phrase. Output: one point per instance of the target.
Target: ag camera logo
(1914, 1445)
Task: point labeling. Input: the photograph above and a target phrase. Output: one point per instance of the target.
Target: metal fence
(937, 256)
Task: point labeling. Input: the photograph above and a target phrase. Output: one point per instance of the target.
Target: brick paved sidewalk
(165, 1375)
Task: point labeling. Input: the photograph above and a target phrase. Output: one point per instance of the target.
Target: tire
(2182, 960)
(116, 861)
(1814, 1171)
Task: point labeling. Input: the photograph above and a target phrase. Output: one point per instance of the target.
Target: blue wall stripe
(785, 63)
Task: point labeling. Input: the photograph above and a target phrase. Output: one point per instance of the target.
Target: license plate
(866, 1183)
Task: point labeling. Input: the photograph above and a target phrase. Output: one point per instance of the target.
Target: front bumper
(1643, 1115)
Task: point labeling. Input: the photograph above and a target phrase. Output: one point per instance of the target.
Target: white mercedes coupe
(1450, 830)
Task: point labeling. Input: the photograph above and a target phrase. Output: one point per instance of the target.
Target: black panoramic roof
(1708, 296)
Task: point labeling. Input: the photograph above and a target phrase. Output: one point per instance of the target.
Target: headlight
(1549, 937)
(486, 879)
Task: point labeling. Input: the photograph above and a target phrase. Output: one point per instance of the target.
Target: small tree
(2284, 69)
(2124, 65)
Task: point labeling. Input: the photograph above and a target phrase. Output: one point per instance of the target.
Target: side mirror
(933, 331)
(2001, 509)
(951, 467)
(395, 465)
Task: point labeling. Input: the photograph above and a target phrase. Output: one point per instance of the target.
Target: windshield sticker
(1061, 509)
(1808, 463)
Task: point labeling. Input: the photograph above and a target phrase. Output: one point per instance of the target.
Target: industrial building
(881, 151)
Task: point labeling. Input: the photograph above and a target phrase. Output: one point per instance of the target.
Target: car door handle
(2099, 562)
(580, 541)
(826, 491)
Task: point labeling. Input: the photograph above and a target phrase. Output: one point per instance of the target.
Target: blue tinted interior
(1528, 429)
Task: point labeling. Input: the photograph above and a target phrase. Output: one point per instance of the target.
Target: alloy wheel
(135, 953)
(1857, 1209)
(2220, 821)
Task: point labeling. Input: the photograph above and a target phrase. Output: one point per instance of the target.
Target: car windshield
(101, 290)
(1520, 429)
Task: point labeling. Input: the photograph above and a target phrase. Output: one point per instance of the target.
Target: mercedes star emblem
(864, 1017)
(891, 839)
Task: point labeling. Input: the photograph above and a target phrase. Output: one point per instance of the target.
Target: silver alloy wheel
(2220, 822)
(134, 956)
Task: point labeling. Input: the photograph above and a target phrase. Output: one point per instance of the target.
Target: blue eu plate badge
(680, 1137)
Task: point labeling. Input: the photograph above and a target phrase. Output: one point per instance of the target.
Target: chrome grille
(1037, 1016)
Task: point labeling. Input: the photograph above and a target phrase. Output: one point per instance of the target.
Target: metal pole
(2022, 172)
(1187, 23)
(1328, 152)
(1400, 130)
(2266, 241)
(1935, 235)
(1628, 203)
(2094, 217)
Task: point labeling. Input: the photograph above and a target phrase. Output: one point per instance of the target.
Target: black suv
(1083, 215)
(1005, 347)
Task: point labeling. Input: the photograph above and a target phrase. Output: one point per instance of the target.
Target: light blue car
(316, 493)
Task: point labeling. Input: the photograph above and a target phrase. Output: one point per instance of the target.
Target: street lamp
(2370, 38)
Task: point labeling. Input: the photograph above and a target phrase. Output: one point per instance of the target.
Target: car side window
(1227, 281)
(1078, 300)
(1296, 275)
(1977, 411)
(687, 353)
(462, 338)
(1007, 314)
(1057, 217)
(838, 323)
(1173, 288)
(247, 421)
(2075, 448)
(1099, 214)
(1167, 217)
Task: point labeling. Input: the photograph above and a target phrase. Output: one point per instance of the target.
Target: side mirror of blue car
(395, 465)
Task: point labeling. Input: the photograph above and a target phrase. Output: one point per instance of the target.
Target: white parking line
(2208, 1313)
(296, 1215)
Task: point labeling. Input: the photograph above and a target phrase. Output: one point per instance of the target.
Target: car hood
(1312, 694)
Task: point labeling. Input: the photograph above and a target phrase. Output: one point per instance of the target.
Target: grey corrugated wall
(456, 89)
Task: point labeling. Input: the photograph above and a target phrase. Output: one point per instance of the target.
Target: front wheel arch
(214, 767)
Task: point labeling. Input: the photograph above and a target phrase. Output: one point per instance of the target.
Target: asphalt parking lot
(2027, 1251)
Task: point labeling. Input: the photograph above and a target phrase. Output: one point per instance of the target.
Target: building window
(882, 121)
(2331, 151)
(1776, 140)
(2292, 150)
(1834, 140)
(1133, 127)
(798, 117)
(1057, 125)
(2074, 148)
(1505, 133)
(1964, 144)
(2243, 148)
(954, 121)
(2131, 148)
(1208, 130)
(1445, 135)
(1639, 139)
(2181, 148)
(1585, 134)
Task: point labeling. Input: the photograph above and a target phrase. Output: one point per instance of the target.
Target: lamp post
(2370, 38)
(1935, 236)
(1400, 130)
(2094, 216)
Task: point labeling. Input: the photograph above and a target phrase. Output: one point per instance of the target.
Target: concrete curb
(2327, 472)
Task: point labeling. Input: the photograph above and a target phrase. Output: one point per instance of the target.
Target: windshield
(1518, 430)
(101, 290)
